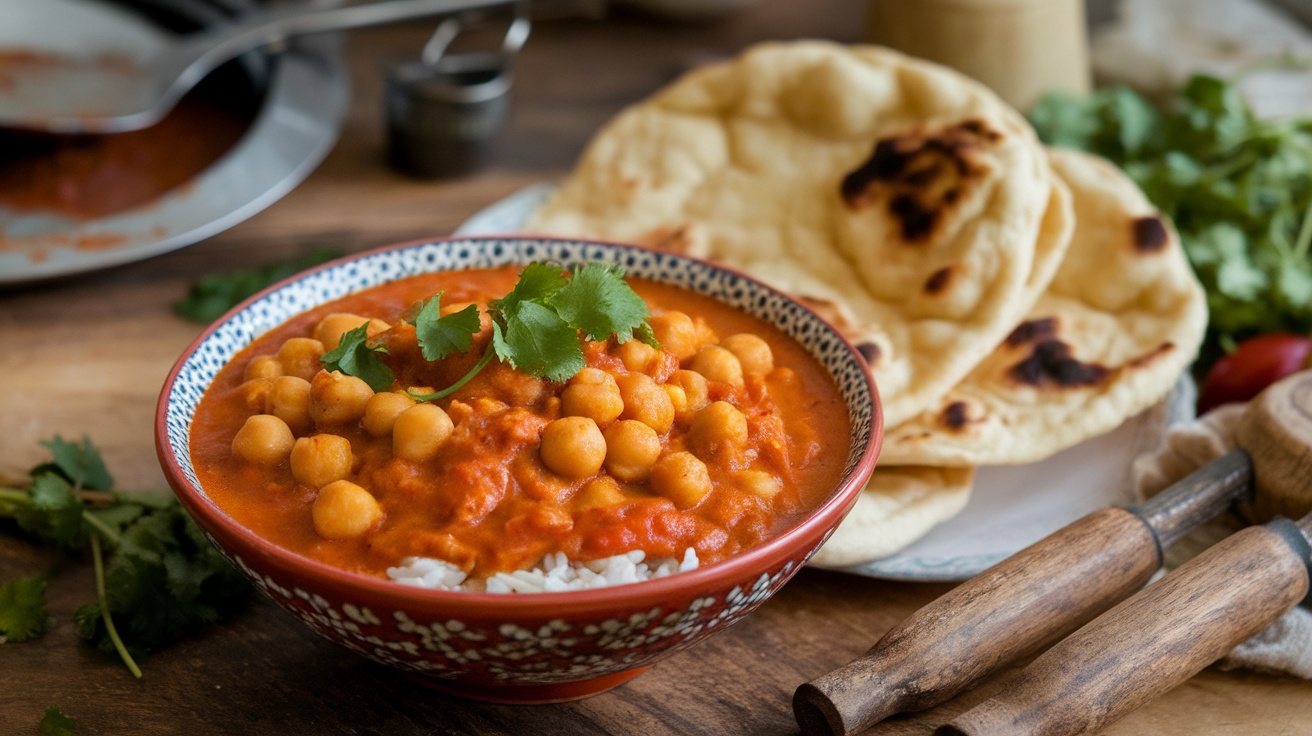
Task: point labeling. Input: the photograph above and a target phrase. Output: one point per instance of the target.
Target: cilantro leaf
(440, 336)
(354, 356)
(55, 723)
(23, 613)
(54, 513)
(598, 302)
(81, 464)
(215, 294)
(538, 342)
(536, 327)
(537, 282)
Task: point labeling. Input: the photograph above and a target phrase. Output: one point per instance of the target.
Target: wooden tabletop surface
(88, 355)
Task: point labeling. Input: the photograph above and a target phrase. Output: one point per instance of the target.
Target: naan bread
(897, 507)
(907, 198)
(1121, 321)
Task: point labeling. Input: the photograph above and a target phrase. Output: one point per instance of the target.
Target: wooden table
(88, 356)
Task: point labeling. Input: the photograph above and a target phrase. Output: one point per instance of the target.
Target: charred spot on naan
(921, 175)
(1032, 330)
(869, 351)
(1149, 234)
(1049, 362)
(956, 415)
(939, 280)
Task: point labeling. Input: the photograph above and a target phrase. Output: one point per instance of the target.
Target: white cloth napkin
(1284, 647)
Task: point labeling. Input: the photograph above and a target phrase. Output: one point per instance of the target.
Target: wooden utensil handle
(1035, 596)
(1024, 602)
(1155, 640)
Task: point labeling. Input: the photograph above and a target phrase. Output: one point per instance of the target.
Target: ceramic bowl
(518, 648)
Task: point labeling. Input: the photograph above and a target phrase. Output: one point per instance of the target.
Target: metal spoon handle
(280, 24)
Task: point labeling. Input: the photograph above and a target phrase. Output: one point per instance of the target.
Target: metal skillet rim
(296, 126)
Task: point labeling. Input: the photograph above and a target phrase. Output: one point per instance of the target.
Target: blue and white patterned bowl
(514, 648)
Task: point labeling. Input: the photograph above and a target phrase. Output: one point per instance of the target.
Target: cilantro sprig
(157, 576)
(536, 328)
(1239, 190)
(213, 294)
(355, 356)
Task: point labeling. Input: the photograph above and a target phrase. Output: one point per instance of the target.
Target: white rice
(555, 573)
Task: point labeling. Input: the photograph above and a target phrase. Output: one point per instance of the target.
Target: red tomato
(1257, 363)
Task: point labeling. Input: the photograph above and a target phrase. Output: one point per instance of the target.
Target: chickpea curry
(720, 437)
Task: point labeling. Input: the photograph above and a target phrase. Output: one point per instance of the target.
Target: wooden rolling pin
(1171, 630)
(1045, 591)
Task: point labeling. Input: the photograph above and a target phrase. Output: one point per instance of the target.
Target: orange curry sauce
(485, 501)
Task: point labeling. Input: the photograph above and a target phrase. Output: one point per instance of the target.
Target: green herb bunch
(535, 328)
(157, 577)
(1238, 189)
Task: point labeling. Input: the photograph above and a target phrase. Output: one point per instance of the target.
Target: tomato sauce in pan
(92, 176)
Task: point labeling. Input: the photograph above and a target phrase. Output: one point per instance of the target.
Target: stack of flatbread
(1010, 300)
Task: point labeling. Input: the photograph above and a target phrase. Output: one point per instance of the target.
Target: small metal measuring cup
(445, 112)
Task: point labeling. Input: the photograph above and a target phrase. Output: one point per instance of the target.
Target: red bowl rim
(704, 580)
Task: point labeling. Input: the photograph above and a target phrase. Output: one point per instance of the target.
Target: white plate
(1010, 507)
(294, 129)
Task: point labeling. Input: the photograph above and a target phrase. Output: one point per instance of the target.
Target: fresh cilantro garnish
(215, 294)
(536, 327)
(55, 723)
(601, 304)
(1238, 189)
(157, 576)
(23, 613)
(354, 356)
(441, 336)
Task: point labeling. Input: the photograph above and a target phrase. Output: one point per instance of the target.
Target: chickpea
(678, 398)
(753, 353)
(636, 355)
(573, 447)
(676, 333)
(330, 329)
(592, 393)
(694, 388)
(599, 493)
(762, 484)
(289, 400)
(382, 410)
(719, 365)
(265, 366)
(646, 401)
(420, 431)
(255, 393)
(263, 440)
(300, 357)
(631, 449)
(705, 334)
(336, 398)
(720, 427)
(343, 510)
(682, 478)
(321, 459)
